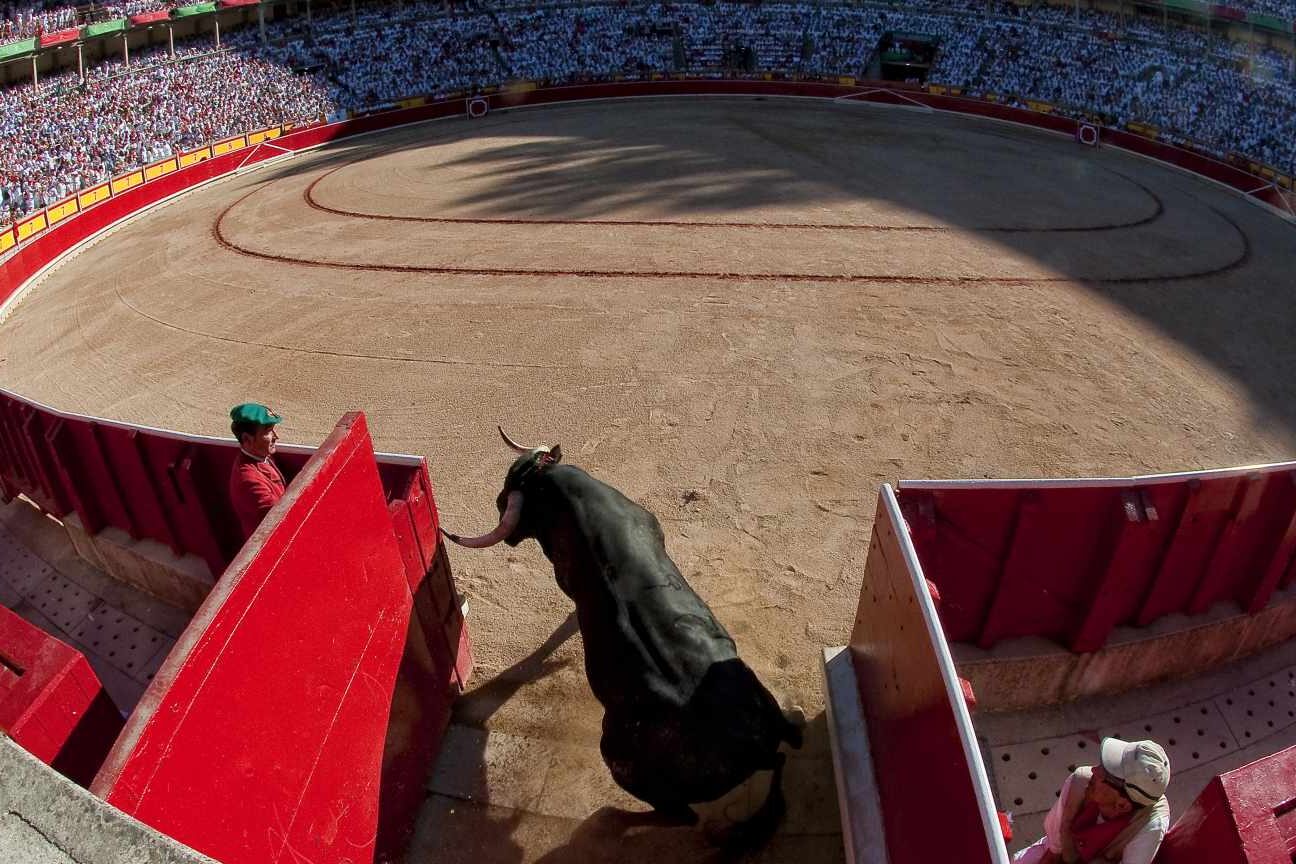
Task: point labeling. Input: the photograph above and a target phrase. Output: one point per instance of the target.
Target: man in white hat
(1112, 812)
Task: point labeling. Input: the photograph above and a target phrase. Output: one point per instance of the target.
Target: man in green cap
(256, 483)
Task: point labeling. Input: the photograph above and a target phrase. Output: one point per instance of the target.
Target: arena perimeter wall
(37, 241)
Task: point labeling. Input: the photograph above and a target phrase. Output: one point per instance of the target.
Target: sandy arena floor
(745, 313)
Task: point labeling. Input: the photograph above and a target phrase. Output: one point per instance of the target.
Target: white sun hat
(1142, 765)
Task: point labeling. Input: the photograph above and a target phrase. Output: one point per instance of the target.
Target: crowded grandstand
(86, 121)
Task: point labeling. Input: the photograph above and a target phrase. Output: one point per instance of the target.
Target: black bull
(685, 720)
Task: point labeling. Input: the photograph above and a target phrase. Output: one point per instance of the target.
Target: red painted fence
(150, 483)
(983, 560)
(173, 487)
(1072, 559)
(299, 713)
(919, 763)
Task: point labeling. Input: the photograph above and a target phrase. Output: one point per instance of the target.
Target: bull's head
(509, 501)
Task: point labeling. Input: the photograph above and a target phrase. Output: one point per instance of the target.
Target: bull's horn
(516, 446)
(507, 525)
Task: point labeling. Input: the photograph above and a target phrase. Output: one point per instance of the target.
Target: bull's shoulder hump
(590, 495)
(577, 481)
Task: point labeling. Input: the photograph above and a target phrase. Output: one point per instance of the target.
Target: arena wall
(1070, 560)
(1065, 589)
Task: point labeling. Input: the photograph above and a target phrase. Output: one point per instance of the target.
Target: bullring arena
(747, 314)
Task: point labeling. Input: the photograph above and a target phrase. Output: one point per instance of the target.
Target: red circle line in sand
(218, 234)
(309, 196)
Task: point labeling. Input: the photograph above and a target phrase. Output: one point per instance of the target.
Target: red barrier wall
(265, 736)
(1246, 816)
(1071, 560)
(51, 701)
(150, 483)
(60, 37)
(174, 489)
(927, 762)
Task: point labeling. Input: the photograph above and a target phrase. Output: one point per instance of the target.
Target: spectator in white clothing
(1115, 811)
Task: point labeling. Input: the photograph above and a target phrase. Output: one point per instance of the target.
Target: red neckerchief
(1091, 836)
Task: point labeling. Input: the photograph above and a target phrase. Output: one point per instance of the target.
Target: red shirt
(1091, 836)
(254, 487)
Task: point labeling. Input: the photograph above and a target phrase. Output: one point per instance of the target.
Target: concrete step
(538, 796)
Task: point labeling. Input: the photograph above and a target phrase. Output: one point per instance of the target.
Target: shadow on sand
(459, 829)
(1201, 265)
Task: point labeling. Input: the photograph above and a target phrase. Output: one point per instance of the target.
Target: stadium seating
(1178, 85)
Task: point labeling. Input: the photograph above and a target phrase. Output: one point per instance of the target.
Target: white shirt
(1140, 850)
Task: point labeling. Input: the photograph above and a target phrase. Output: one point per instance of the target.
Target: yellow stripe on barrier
(93, 195)
(412, 103)
(1284, 181)
(126, 181)
(936, 89)
(229, 145)
(34, 225)
(60, 211)
(193, 157)
(157, 169)
(255, 138)
(846, 81)
(8, 240)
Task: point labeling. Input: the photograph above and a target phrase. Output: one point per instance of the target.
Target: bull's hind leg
(675, 813)
(795, 721)
(636, 768)
(756, 830)
(672, 812)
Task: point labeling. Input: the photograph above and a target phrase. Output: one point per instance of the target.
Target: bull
(685, 720)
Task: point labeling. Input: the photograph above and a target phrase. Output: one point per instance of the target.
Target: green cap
(251, 412)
